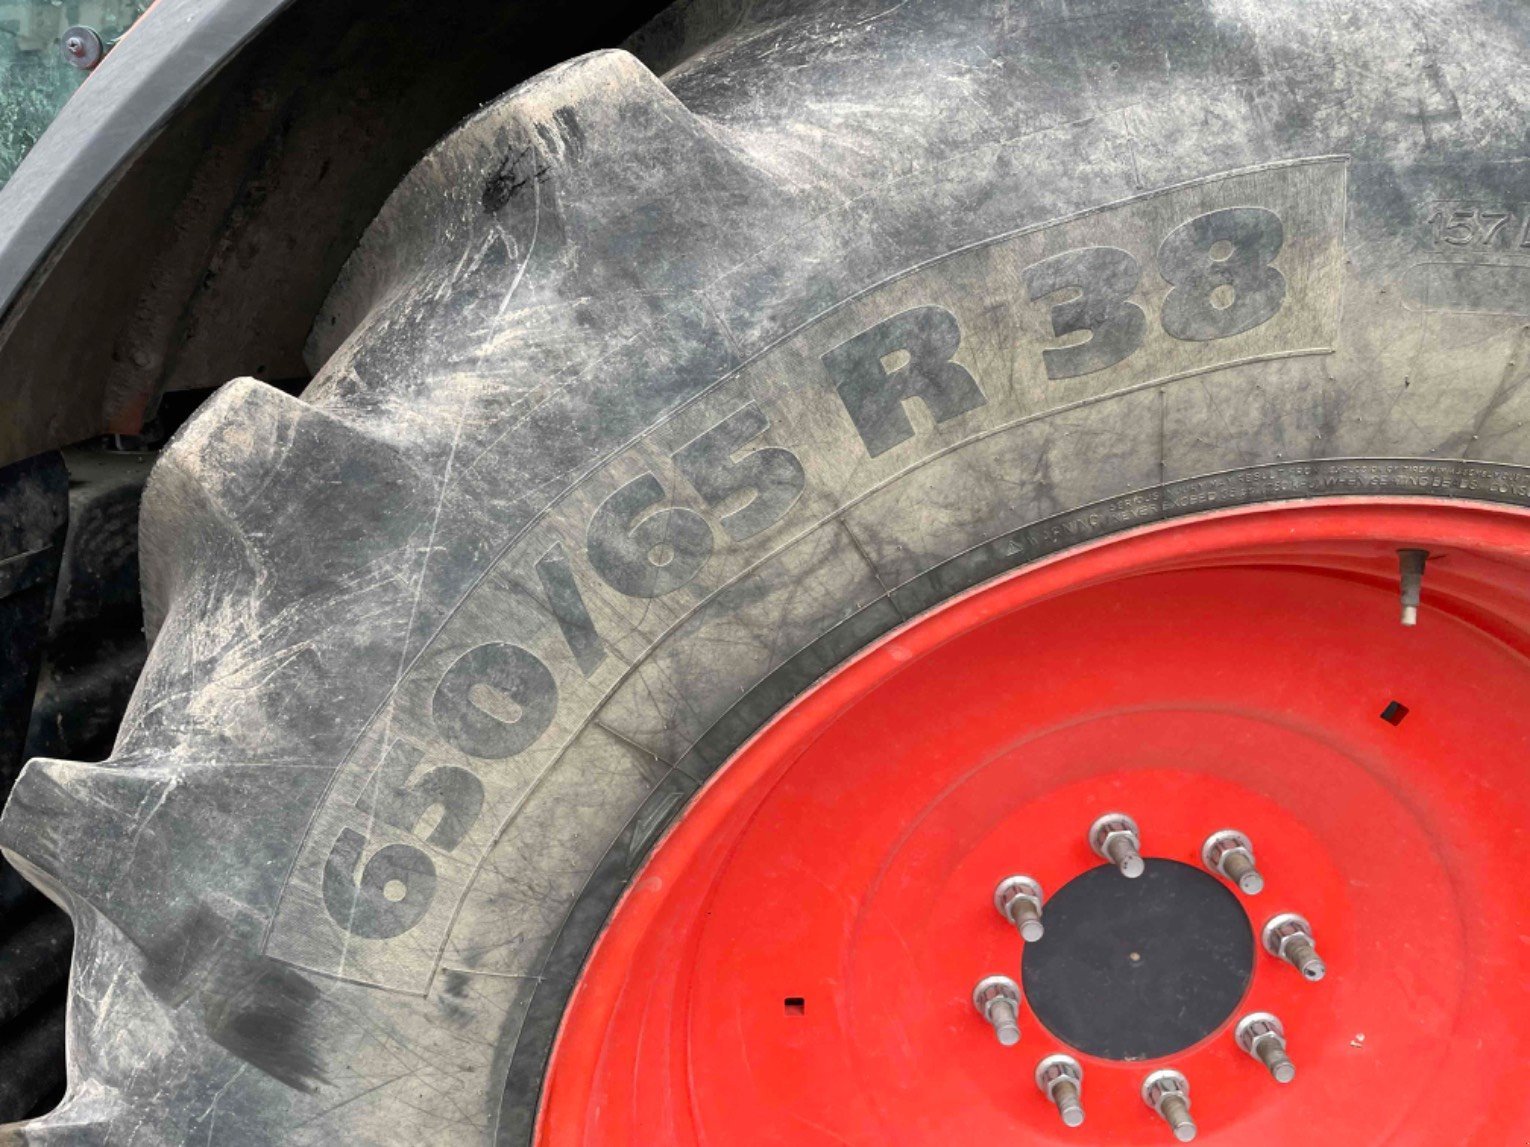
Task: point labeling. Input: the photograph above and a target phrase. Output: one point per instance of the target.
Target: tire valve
(1168, 1093)
(1018, 899)
(1230, 854)
(1289, 937)
(1114, 837)
(1060, 1079)
(1411, 565)
(997, 999)
(1261, 1035)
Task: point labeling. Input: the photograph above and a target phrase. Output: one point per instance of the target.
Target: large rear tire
(643, 404)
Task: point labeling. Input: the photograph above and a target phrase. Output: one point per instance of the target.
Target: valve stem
(1411, 568)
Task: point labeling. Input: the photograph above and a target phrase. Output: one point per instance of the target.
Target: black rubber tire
(794, 321)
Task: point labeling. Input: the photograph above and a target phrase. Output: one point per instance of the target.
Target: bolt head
(1012, 887)
(1279, 929)
(1055, 1067)
(991, 988)
(1165, 1081)
(1254, 1025)
(1221, 842)
(1108, 825)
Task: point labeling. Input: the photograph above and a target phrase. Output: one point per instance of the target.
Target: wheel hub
(1138, 969)
(796, 963)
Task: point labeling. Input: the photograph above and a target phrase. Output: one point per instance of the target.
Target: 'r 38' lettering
(1222, 281)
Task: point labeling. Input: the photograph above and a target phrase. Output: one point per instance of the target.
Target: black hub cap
(1137, 969)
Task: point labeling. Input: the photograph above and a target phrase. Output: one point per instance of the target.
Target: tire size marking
(1233, 269)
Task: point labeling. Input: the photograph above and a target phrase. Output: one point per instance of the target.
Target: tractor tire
(645, 402)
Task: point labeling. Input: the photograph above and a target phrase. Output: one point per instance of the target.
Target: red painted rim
(794, 964)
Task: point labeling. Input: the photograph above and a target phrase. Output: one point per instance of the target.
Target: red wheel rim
(794, 963)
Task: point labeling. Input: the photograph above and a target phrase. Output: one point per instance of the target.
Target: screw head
(82, 47)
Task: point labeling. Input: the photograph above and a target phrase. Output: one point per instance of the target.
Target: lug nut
(997, 999)
(1261, 1035)
(1290, 937)
(1060, 1079)
(1168, 1093)
(1230, 854)
(1018, 899)
(1114, 837)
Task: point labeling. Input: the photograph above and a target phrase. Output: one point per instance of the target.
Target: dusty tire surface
(645, 402)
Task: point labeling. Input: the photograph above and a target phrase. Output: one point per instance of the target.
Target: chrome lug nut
(1261, 1035)
(1018, 899)
(1114, 837)
(997, 999)
(1060, 1079)
(1168, 1093)
(1230, 854)
(1289, 937)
